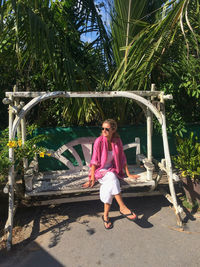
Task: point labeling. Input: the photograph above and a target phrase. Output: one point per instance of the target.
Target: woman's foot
(107, 223)
(128, 214)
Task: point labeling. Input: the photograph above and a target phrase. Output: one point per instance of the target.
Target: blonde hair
(113, 126)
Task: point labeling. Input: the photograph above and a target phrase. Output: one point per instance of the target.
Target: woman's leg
(106, 215)
(109, 187)
(106, 210)
(123, 208)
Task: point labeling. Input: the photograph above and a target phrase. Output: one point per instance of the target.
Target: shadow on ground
(33, 255)
(34, 222)
(57, 219)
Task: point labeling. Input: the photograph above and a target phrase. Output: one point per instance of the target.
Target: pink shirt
(99, 157)
(109, 160)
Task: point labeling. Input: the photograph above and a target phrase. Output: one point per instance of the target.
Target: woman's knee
(112, 176)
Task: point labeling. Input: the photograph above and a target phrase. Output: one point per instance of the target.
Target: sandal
(126, 216)
(108, 221)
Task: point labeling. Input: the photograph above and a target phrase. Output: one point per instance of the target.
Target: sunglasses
(107, 129)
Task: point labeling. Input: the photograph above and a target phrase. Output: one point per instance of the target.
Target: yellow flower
(19, 142)
(12, 144)
(49, 154)
(9, 143)
(42, 154)
(184, 173)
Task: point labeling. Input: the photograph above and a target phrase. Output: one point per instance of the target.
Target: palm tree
(141, 42)
(41, 41)
(128, 20)
(148, 46)
(41, 46)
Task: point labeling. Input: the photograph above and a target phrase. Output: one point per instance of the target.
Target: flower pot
(191, 189)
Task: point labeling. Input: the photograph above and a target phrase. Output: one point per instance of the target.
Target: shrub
(188, 158)
(27, 150)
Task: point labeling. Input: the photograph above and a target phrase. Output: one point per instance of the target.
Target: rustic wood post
(149, 130)
(168, 163)
(149, 116)
(149, 133)
(9, 224)
(23, 132)
(16, 104)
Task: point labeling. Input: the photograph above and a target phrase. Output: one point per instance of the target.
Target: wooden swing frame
(145, 99)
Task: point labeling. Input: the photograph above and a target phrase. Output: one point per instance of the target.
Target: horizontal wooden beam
(50, 95)
(86, 198)
(80, 94)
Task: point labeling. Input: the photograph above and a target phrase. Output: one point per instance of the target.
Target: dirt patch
(31, 223)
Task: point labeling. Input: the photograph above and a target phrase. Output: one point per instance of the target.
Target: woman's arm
(128, 173)
(91, 181)
(93, 164)
(92, 178)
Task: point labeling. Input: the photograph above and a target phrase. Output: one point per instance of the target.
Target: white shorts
(110, 186)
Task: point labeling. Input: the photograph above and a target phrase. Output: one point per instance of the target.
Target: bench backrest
(86, 144)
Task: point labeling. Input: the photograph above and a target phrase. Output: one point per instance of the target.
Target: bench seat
(68, 182)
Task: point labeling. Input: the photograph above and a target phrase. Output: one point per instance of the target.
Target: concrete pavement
(73, 235)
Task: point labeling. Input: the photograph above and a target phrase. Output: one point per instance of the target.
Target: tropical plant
(27, 150)
(157, 41)
(147, 47)
(188, 158)
(41, 43)
(163, 48)
(128, 20)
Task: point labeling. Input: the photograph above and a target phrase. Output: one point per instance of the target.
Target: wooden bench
(70, 181)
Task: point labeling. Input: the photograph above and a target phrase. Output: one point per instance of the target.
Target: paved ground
(73, 235)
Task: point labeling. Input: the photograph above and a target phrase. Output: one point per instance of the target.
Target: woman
(106, 166)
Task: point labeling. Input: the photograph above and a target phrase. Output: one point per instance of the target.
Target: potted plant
(188, 163)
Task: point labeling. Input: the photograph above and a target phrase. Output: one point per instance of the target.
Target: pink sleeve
(96, 153)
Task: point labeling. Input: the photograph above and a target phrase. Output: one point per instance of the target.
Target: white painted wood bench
(71, 180)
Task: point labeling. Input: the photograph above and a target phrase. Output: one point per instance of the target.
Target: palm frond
(146, 49)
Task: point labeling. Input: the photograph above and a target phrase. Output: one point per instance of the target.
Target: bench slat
(87, 152)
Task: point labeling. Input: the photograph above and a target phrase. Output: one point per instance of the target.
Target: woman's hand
(133, 176)
(90, 183)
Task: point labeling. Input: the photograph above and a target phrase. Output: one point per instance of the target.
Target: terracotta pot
(192, 189)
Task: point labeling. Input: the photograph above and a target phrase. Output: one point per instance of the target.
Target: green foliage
(4, 160)
(188, 158)
(175, 122)
(28, 150)
(178, 74)
(164, 51)
(188, 205)
(41, 49)
(190, 81)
